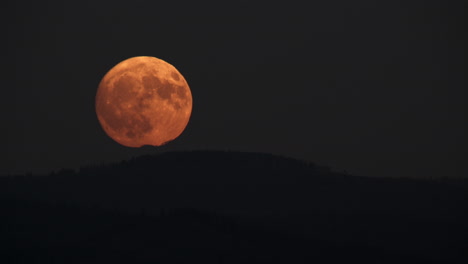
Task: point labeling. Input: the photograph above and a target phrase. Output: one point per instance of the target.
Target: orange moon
(143, 101)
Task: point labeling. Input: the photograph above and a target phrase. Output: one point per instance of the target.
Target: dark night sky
(371, 87)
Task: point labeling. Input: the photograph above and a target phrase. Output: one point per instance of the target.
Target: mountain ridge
(277, 193)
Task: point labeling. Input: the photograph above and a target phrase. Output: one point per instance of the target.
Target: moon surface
(143, 101)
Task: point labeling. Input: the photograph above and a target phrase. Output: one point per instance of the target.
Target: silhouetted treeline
(229, 207)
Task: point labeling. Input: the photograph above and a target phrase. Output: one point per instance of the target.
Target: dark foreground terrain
(229, 207)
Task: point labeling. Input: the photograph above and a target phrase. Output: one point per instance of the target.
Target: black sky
(372, 87)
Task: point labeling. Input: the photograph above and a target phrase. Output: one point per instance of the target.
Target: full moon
(143, 101)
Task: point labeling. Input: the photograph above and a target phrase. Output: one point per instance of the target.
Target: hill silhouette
(230, 207)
